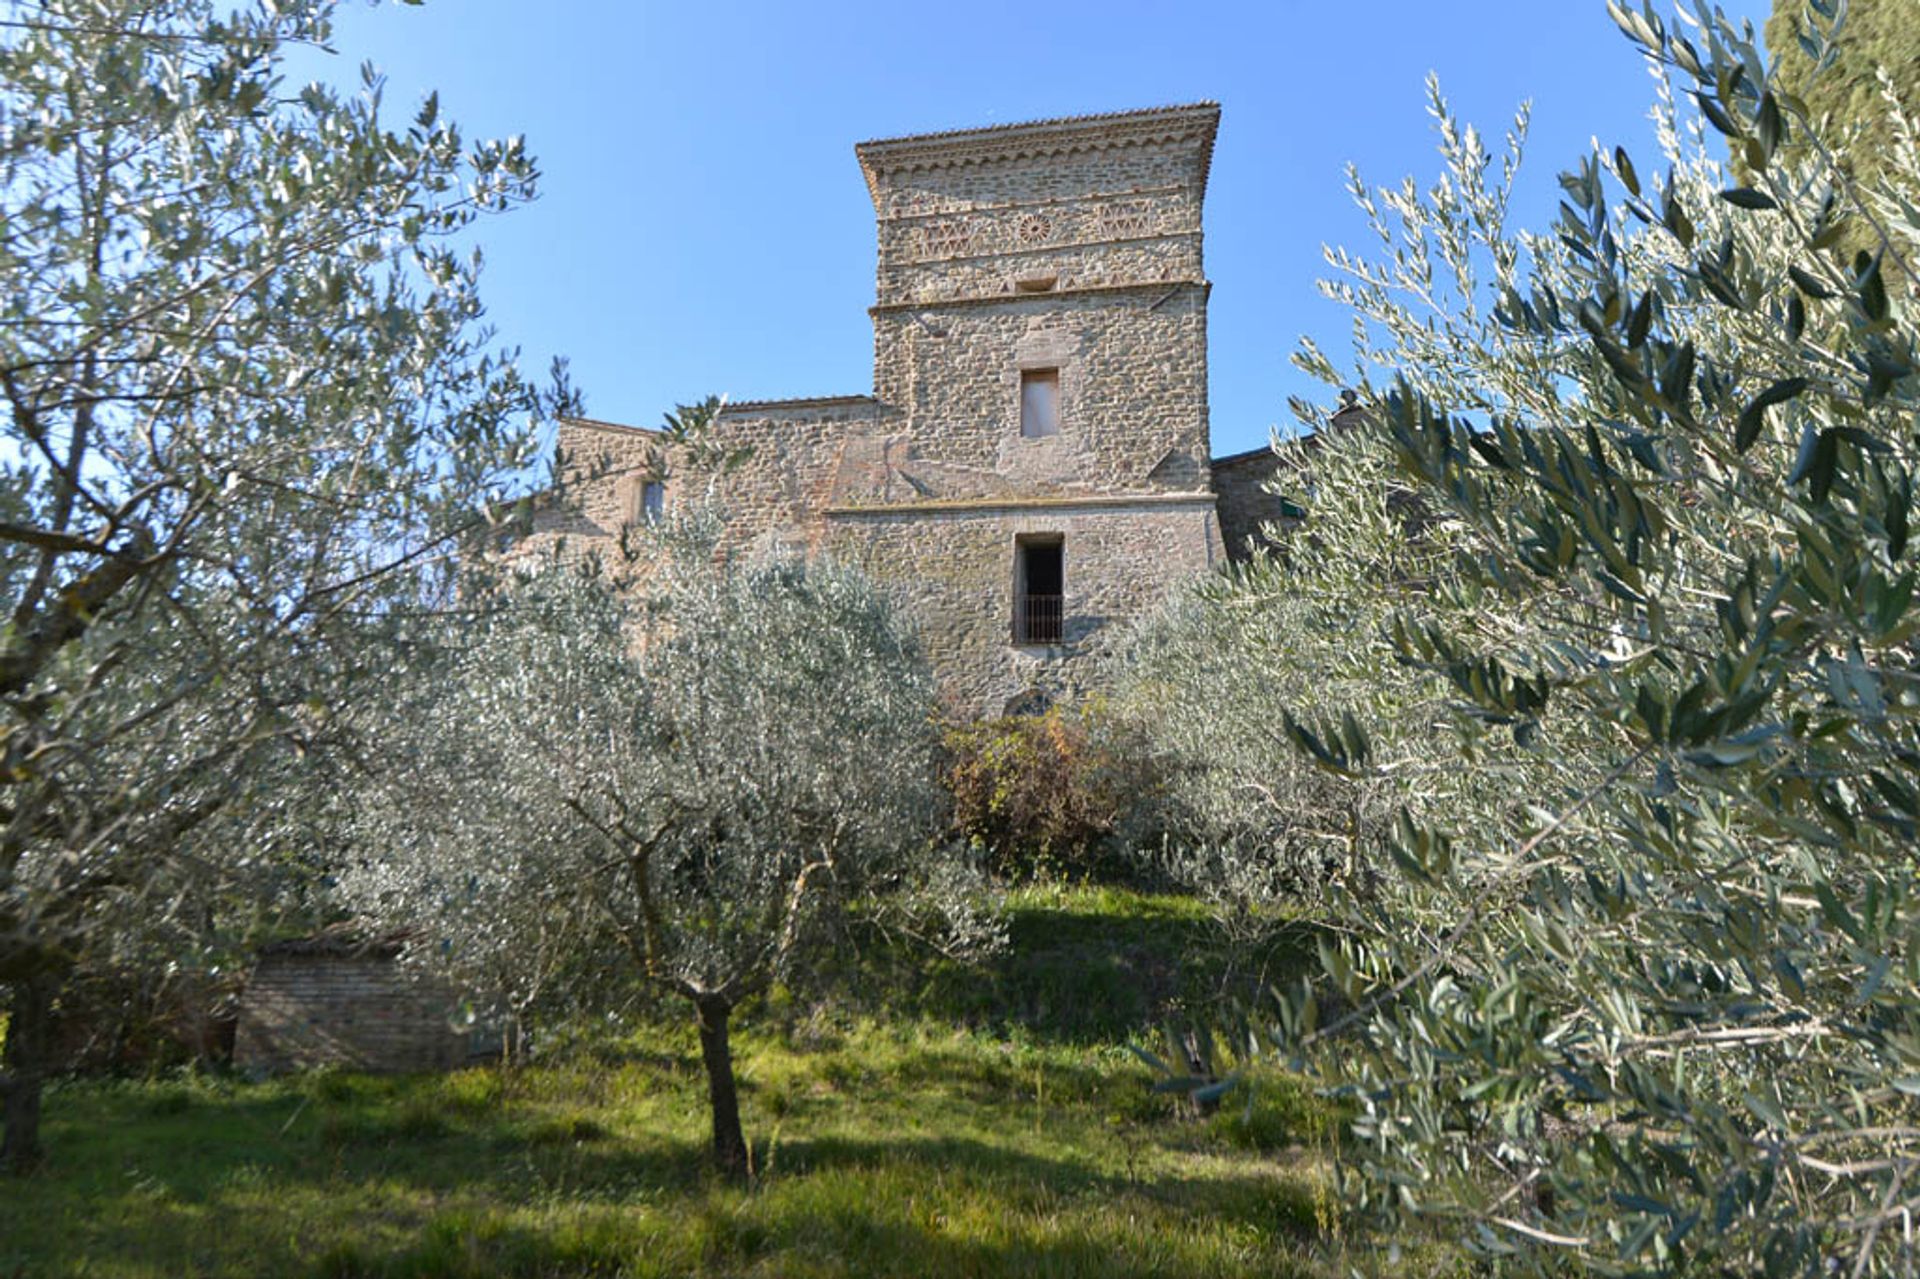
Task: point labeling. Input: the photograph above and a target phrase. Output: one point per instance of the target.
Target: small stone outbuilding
(342, 999)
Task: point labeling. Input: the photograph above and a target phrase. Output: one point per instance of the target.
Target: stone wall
(969, 276)
(971, 175)
(1246, 504)
(1262, 487)
(1133, 387)
(599, 468)
(1073, 246)
(952, 568)
(356, 1011)
(788, 457)
(1122, 226)
(599, 465)
(772, 500)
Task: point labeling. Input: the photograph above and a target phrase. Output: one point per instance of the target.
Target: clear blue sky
(703, 226)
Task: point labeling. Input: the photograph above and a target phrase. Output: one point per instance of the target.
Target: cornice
(595, 424)
(1264, 453)
(1343, 419)
(1040, 250)
(954, 148)
(973, 208)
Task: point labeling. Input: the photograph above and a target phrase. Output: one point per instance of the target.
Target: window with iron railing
(1037, 619)
(1039, 590)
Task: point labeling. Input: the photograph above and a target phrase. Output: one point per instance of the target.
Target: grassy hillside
(884, 1152)
(989, 1126)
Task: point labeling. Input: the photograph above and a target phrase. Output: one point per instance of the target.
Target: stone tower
(1040, 365)
(1071, 248)
(1031, 471)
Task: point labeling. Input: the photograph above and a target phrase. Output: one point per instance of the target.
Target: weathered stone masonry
(334, 1000)
(1056, 265)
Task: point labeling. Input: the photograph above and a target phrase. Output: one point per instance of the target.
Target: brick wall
(361, 1012)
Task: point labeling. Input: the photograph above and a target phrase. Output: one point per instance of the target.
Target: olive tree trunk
(729, 1146)
(28, 1057)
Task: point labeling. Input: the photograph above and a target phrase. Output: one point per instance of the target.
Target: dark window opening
(1039, 587)
(1039, 402)
(653, 501)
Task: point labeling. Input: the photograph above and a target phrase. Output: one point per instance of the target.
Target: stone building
(1032, 467)
(340, 999)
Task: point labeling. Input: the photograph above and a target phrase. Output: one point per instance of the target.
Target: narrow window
(1039, 589)
(653, 501)
(1039, 402)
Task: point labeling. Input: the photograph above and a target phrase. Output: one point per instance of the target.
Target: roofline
(1051, 122)
(798, 402)
(1234, 459)
(952, 148)
(594, 423)
(1351, 415)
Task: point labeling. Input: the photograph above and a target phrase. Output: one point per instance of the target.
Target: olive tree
(1878, 68)
(1661, 1013)
(685, 783)
(247, 405)
(1213, 676)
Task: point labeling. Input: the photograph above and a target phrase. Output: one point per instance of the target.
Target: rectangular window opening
(1039, 402)
(1039, 587)
(653, 501)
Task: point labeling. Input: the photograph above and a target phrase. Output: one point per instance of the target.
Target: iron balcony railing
(1037, 619)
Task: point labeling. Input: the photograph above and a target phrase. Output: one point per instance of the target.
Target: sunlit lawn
(915, 1145)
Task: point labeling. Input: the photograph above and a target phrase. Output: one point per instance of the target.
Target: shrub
(1063, 794)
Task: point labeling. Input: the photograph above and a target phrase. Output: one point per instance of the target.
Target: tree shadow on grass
(1078, 976)
(1263, 1198)
(837, 1241)
(863, 1246)
(253, 1196)
(922, 1206)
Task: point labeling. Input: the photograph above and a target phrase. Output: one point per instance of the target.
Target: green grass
(1086, 965)
(912, 1146)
